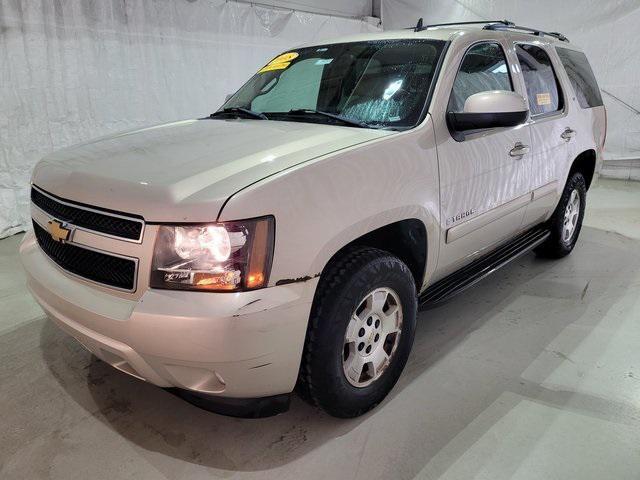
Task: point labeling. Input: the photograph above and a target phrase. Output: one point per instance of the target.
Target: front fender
(324, 204)
(353, 232)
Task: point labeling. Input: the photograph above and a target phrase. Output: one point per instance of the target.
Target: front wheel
(360, 332)
(566, 222)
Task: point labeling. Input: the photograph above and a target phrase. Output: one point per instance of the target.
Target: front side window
(543, 88)
(381, 84)
(484, 68)
(581, 76)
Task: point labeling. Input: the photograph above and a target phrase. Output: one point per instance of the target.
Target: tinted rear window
(581, 77)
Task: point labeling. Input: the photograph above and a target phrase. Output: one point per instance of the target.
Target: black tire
(343, 285)
(556, 246)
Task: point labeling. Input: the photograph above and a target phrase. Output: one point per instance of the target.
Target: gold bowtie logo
(58, 232)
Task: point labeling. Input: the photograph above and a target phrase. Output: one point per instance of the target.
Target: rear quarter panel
(589, 123)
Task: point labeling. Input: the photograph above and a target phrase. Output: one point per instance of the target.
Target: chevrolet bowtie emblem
(58, 231)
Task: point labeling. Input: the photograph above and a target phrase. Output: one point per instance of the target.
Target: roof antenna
(419, 26)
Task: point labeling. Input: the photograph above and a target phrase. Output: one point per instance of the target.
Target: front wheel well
(585, 163)
(406, 239)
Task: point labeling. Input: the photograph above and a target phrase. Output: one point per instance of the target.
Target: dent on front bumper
(234, 345)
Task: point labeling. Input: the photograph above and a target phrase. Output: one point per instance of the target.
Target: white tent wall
(71, 70)
(607, 30)
(350, 8)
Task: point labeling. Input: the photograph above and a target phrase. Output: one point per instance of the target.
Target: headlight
(228, 256)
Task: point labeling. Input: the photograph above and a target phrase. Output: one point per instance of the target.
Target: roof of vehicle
(449, 32)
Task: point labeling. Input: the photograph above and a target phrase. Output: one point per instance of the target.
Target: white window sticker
(543, 98)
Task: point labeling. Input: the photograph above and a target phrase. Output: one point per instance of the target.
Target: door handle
(568, 134)
(519, 149)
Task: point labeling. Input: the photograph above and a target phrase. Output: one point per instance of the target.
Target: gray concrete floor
(532, 374)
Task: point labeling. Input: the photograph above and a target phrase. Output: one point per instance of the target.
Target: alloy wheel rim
(571, 214)
(372, 337)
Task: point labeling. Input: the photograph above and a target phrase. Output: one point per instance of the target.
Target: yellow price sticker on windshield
(280, 62)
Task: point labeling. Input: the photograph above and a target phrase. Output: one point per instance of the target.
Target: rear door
(483, 189)
(550, 128)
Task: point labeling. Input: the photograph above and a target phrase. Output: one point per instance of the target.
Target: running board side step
(482, 267)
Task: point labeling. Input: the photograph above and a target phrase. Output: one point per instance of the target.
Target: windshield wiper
(346, 121)
(238, 111)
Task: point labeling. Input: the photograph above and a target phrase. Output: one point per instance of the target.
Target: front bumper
(233, 345)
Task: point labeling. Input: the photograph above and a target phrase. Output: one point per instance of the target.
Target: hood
(185, 171)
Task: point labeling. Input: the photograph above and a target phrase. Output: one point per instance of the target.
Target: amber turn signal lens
(255, 280)
(260, 256)
(216, 281)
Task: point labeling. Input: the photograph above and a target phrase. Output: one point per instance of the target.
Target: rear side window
(483, 68)
(581, 76)
(543, 88)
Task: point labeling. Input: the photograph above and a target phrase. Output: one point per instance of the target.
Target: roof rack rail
(559, 36)
(534, 31)
(420, 26)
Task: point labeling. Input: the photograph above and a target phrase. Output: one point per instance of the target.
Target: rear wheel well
(406, 239)
(585, 163)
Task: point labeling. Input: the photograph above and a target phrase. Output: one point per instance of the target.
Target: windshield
(377, 84)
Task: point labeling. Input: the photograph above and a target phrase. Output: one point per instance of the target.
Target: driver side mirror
(492, 109)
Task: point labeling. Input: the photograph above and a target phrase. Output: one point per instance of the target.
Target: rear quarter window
(581, 76)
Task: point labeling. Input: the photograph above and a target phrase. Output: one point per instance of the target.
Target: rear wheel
(360, 332)
(566, 222)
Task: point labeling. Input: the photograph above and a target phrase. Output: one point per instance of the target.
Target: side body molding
(459, 231)
(544, 192)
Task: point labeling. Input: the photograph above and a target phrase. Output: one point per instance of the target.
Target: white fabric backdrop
(608, 30)
(348, 8)
(71, 70)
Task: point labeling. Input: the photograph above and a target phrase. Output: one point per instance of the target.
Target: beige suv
(287, 241)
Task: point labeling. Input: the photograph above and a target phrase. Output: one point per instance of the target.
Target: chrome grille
(118, 225)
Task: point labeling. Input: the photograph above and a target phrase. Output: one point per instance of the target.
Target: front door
(483, 188)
